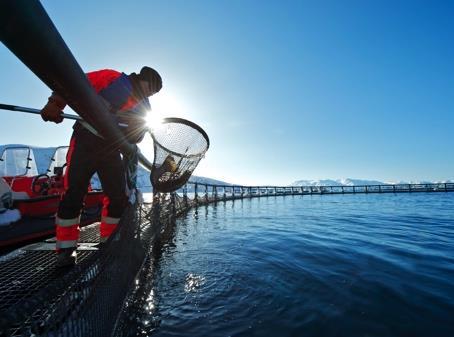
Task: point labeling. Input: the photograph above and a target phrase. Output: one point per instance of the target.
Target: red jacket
(116, 88)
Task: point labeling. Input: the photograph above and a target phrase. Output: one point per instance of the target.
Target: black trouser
(87, 155)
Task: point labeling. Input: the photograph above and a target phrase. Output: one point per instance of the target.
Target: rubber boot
(66, 257)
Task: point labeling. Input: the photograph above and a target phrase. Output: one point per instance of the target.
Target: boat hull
(38, 219)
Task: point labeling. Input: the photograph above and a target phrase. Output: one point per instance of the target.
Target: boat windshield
(17, 161)
(58, 160)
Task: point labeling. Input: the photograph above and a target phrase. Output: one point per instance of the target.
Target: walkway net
(97, 296)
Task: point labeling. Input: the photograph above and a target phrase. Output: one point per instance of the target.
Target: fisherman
(89, 153)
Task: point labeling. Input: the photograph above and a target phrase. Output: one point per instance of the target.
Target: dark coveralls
(89, 154)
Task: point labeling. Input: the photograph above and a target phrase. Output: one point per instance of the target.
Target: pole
(27, 30)
(38, 112)
(144, 161)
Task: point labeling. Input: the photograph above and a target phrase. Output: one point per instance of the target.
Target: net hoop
(172, 168)
(184, 122)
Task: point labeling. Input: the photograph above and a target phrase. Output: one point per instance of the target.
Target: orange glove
(52, 111)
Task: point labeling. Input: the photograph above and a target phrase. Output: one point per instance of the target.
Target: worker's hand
(52, 111)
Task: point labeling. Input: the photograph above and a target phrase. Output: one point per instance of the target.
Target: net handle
(184, 122)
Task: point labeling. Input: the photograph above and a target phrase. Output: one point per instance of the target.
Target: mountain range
(358, 182)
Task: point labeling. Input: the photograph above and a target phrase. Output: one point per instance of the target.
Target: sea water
(329, 265)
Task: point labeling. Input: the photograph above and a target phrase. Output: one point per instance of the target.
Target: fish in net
(179, 145)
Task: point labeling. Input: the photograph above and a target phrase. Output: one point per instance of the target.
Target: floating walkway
(227, 192)
(103, 294)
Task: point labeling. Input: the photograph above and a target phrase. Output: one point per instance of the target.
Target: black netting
(81, 301)
(178, 145)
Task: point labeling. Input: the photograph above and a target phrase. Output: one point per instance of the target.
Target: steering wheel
(41, 184)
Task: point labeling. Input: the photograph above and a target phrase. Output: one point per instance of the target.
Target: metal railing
(206, 193)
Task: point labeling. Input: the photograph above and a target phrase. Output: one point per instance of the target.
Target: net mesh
(83, 301)
(179, 145)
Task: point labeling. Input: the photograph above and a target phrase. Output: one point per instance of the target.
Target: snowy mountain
(358, 182)
(422, 182)
(337, 182)
(204, 180)
(143, 181)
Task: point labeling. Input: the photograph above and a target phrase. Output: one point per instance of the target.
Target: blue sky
(286, 90)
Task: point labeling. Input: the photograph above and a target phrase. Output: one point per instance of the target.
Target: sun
(153, 119)
(163, 105)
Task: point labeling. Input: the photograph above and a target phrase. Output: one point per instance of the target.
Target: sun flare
(153, 119)
(163, 105)
(167, 105)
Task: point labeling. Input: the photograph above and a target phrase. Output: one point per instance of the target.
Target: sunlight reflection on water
(193, 282)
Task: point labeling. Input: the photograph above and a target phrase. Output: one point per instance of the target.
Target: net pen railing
(203, 192)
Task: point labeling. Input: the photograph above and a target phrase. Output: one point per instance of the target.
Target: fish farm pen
(223, 192)
(104, 294)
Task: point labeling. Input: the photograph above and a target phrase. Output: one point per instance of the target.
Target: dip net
(179, 145)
